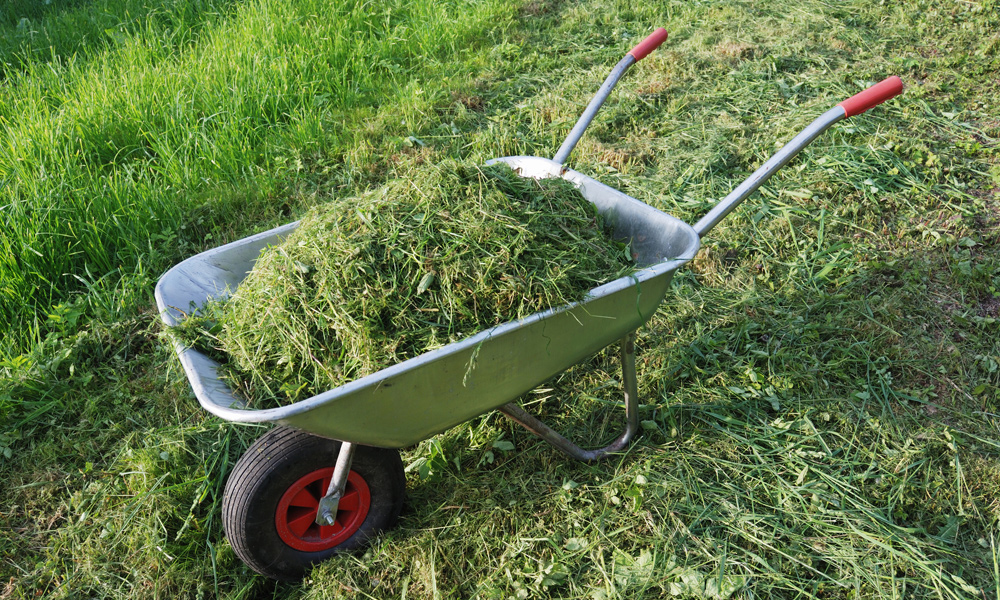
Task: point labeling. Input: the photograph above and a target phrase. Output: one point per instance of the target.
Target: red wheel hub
(296, 514)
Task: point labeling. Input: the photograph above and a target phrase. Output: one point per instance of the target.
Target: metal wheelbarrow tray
(418, 398)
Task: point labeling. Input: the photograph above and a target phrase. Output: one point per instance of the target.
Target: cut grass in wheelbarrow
(410, 401)
(367, 282)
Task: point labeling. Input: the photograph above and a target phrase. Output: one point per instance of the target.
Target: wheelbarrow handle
(652, 42)
(855, 105)
(873, 96)
(642, 49)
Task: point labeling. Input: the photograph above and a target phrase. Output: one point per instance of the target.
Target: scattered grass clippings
(425, 260)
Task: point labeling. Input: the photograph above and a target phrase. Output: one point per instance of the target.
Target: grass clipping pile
(367, 282)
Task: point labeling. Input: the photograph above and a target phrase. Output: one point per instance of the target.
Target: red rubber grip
(652, 42)
(873, 96)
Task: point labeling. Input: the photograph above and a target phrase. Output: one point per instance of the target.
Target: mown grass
(451, 251)
(820, 389)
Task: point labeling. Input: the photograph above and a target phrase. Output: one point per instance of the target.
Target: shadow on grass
(38, 32)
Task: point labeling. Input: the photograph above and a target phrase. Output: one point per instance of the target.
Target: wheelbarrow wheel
(271, 498)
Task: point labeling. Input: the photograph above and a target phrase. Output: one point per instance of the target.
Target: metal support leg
(327, 513)
(629, 382)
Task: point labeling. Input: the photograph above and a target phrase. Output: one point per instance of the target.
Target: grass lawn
(821, 389)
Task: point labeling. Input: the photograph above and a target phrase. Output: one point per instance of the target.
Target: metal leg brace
(629, 382)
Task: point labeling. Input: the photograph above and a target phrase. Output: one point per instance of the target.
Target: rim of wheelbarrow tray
(214, 273)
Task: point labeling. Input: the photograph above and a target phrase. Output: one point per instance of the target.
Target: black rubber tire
(271, 466)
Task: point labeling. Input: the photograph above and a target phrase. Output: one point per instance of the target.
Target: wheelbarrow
(329, 477)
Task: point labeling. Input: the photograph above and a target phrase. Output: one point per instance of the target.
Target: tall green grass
(39, 32)
(105, 153)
